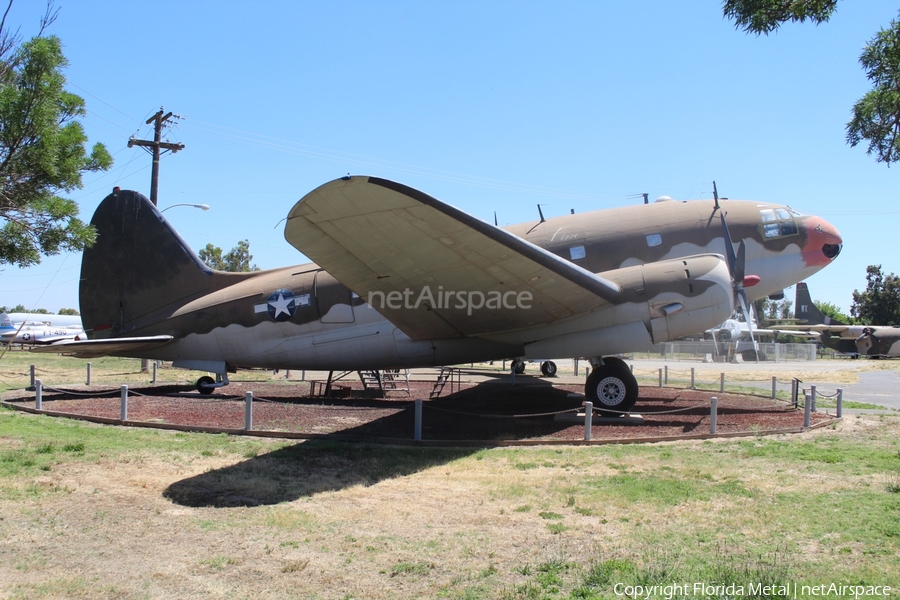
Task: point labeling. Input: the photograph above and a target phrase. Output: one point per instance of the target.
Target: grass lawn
(98, 511)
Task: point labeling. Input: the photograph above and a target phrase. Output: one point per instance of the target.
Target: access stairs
(388, 380)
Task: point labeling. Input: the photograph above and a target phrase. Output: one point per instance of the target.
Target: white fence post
(89, 374)
(807, 405)
(713, 414)
(417, 430)
(123, 409)
(840, 403)
(248, 411)
(38, 394)
(812, 390)
(722, 382)
(774, 391)
(588, 418)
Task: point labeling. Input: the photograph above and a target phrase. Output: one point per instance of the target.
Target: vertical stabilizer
(806, 312)
(139, 270)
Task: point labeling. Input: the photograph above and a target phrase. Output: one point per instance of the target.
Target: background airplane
(36, 332)
(404, 280)
(744, 337)
(49, 319)
(875, 341)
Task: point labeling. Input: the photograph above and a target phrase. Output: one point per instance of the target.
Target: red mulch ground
(490, 411)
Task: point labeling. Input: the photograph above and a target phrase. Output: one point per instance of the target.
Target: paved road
(875, 387)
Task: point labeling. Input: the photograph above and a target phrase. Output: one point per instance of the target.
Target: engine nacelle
(659, 301)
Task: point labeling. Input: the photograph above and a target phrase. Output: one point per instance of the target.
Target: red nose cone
(751, 280)
(822, 244)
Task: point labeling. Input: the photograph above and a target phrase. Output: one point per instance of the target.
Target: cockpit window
(778, 222)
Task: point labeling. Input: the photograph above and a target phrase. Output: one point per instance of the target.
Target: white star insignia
(281, 305)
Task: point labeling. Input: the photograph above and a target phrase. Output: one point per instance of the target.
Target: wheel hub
(611, 391)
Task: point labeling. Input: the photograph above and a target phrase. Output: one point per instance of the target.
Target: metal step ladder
(442, 378)
(389, 380)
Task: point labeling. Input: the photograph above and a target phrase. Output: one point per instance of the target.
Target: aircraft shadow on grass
(315, 466)
(331, 464)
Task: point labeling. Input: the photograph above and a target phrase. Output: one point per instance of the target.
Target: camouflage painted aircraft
(402, 280)
(876, 341)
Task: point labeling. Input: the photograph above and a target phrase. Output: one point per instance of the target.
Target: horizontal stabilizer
(385, 240)
(105, 347)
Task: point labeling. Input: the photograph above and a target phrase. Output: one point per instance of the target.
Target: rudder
(138, 271)
(806, 312)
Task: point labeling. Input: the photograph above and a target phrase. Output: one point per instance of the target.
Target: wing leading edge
(424, 265)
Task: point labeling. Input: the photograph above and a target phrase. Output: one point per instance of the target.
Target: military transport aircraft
(875, 341)
(402, 280)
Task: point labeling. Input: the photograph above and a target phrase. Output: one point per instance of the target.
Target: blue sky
(487, 105)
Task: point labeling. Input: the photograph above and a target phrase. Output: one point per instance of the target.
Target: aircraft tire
(615, 360)
(519, 366)
(612, 387)
(206, 385)
(548, 368)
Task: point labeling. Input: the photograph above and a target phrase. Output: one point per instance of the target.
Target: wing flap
(104, 347)
(433, 270)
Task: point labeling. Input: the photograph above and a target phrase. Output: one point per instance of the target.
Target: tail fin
(5, 322)
(138, 271)
(806, 312)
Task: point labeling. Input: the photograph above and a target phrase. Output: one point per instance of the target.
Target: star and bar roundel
(282, 304)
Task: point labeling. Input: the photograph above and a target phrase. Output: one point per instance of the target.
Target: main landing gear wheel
(519, 366)
(612, 386)
(548, 368)
(206, 385)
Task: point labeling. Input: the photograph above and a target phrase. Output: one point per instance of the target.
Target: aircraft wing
(105, 347)
(816, 329)
(797, 332)
(379, 238)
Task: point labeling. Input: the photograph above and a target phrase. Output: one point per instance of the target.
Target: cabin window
(576, 252)
(654, 239)
(778, 222)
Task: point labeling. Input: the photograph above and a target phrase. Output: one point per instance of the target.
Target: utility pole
(155, 147)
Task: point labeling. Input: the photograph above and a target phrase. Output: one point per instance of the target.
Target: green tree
(880, 303)
(69, 311)
(237, 260)
(212, 256)
(832, 310)
(876, 116)
(42, 151)
(771, 312)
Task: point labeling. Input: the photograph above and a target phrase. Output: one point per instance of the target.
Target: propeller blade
(740, 261)
(729, 245)
(748, 319)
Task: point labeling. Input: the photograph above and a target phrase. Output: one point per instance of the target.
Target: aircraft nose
(823, 242)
